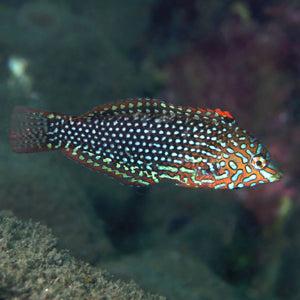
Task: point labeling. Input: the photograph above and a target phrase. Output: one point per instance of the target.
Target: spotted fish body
(143, 141)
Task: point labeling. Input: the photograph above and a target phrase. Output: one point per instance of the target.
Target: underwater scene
(150, 149)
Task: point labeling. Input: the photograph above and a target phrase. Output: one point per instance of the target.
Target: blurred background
(240, 56)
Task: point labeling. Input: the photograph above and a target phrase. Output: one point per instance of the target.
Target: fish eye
(258, 162)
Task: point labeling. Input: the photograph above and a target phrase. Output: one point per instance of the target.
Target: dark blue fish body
(142, 141)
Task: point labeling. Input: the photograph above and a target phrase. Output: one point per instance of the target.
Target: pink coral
(249, 69)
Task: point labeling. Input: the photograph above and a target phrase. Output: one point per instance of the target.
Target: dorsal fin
(223, 113)
(132, 106)
(141, 105)
(147, 106)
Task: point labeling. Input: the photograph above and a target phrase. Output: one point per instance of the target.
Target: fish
(143, 141)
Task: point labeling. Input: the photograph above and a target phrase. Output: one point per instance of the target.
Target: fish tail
(29, 130)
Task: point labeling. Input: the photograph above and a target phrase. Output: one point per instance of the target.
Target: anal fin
(127, 174)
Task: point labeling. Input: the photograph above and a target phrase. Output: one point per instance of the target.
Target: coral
(35, 269)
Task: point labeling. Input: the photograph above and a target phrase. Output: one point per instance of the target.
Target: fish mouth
(272, 173)
(276, 176)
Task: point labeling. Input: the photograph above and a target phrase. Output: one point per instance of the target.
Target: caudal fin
(28, 130)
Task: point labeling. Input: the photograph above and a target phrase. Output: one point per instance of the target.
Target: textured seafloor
(33, 268)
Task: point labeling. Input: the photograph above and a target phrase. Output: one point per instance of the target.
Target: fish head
(249, 164)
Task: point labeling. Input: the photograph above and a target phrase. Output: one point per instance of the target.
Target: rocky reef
(33, 268)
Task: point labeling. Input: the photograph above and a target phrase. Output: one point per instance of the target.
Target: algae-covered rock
(32, 268)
